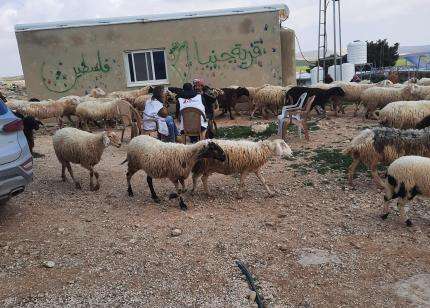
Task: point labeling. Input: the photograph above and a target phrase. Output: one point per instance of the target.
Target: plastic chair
(191, 118)
(284, 114)
(298, 117)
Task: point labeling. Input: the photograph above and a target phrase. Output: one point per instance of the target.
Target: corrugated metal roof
(150, 18)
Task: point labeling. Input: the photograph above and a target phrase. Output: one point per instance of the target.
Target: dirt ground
(317, 243)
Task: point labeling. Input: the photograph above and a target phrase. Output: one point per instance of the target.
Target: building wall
(193, 48)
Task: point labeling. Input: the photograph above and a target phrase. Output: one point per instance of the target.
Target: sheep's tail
(126, 160)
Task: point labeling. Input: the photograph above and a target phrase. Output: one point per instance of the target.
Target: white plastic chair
(284, 114)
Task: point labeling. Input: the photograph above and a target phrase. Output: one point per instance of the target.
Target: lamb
(403, 114)
(243, 157)
(378, 97)
(269, 98)
(384, 145)
(407, 177)
(167, 160)
(72, 145)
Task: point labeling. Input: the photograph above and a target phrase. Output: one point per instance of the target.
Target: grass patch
(245, 132)
(328, 160)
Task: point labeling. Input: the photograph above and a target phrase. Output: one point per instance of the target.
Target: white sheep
(243, 157)
(110, 109)
(407, 177)
(72, 145)
(422, 92)
(384, 145)
(269, 98)
(167, 160)
(403, 114)
(424, 82)
(378, 97)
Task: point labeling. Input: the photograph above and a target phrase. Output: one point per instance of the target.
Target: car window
(3, 107)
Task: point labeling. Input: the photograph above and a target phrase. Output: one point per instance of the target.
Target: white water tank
(357, 52)
(348, 71)
(314, 73)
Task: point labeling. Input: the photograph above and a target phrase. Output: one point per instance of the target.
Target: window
(145, 67)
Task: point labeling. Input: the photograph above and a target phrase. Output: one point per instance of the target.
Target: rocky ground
(317, 243)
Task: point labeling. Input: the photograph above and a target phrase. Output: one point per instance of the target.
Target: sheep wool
(243, 157)
(270, 97)
(422, 92)
(378, 97)
(160, 159)
(78, 147)
(130, 96)
(407, 177)
(403, 114)
(384, 145)
(424, 82)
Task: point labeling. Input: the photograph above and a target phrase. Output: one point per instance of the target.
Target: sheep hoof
(173, 196)
(130, 192)
(272, 194)
(384, 216)
(239, 197)
(78, 185)
(64, 179)
(182, 205)
(408, 223)
(156, 199)
(95, 188)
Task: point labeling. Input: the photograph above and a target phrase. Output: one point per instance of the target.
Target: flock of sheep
(402, 109)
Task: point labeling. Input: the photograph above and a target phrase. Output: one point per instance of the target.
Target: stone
(48, 264)
(415, 289)
(252, 295)
(176, 232)
(311, 256)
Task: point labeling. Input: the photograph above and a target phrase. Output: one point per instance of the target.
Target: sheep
(97, 93)
(403, 114)
(139, 102)
(407, 177)
(69, 104)
(130, 96)
(110, 109)
(422, 92)
(243, 157)
(378, 97)
(167, 160)
(72, 145)
(269, 97)
(321, 96)
(385, 83)
(384, 145)
(30, 125)
(227, 98)
(424, 82)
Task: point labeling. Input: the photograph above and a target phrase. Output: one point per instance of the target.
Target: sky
(397, 20)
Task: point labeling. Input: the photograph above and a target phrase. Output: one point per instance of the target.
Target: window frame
(130, 83)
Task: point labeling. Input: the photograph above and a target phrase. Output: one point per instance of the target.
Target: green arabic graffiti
(60, 80)
(237, 54)
(175, 53)
(181, 56)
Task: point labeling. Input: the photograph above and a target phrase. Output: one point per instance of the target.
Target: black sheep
(322, 96)
(30, 124)
(228, 100)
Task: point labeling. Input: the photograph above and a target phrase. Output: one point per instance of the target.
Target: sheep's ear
(106, 140)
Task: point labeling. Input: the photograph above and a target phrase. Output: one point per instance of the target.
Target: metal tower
(322, 36)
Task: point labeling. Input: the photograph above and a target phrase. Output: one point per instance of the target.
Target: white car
(16, 161)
